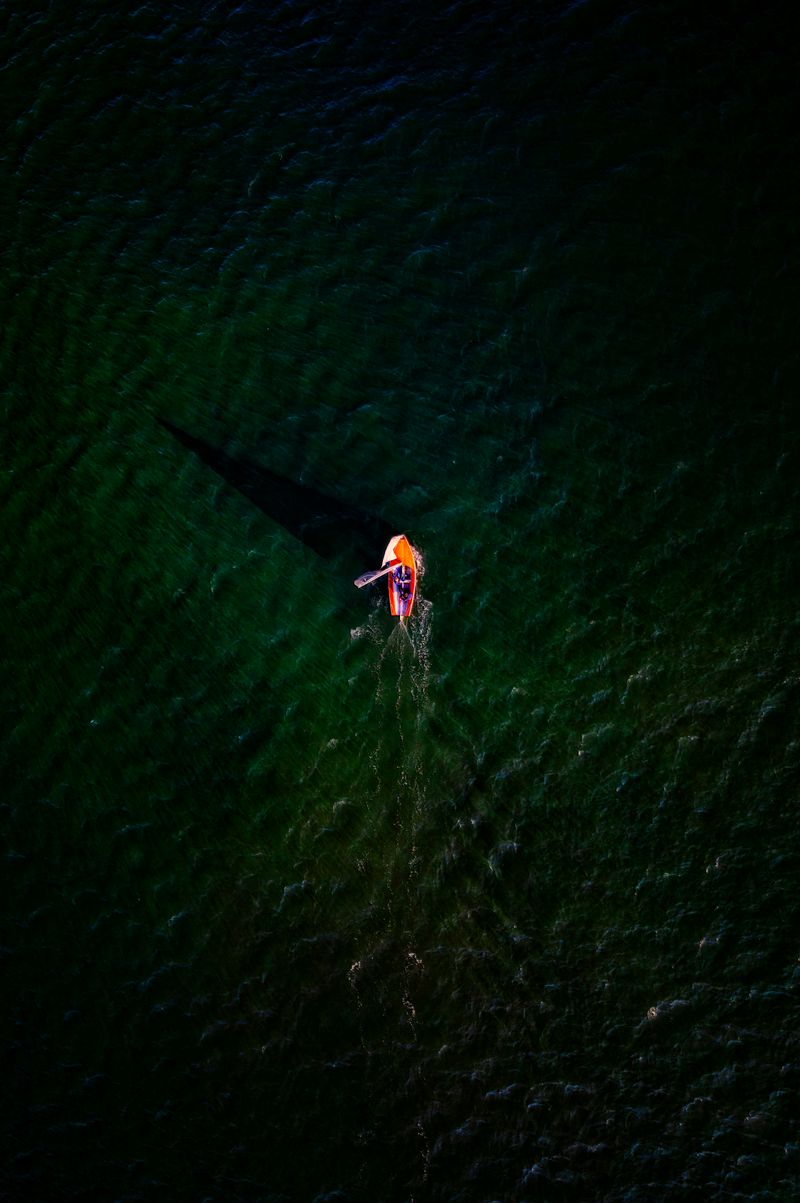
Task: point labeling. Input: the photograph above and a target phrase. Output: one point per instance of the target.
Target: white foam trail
(402, 667)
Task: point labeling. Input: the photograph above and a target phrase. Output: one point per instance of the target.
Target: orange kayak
(403, 577)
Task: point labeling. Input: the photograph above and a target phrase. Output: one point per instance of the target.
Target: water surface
(299, 904)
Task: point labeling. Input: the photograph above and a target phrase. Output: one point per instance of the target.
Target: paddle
(368, 577)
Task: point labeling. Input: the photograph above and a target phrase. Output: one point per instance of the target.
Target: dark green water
(299, 905)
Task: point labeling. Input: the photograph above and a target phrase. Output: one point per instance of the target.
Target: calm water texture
(300, 905)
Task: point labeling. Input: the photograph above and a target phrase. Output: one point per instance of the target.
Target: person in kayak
(402, 575)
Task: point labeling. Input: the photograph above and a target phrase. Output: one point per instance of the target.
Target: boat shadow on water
(323, 523)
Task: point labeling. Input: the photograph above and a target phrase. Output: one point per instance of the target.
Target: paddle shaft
(368, 577)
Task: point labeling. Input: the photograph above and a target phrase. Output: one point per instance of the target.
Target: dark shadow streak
(321, 522)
